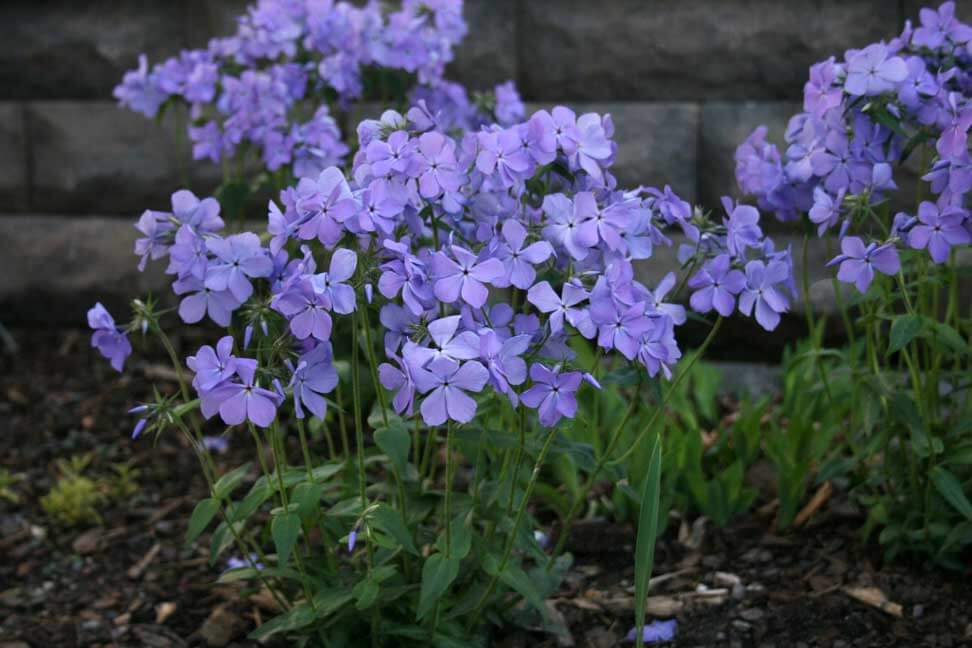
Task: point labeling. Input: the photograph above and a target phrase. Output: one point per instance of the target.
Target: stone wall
(685, 80)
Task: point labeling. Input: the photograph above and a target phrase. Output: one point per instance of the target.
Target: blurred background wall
(685, 80)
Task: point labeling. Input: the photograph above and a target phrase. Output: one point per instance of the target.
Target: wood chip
(819, 499)
(138, 568)
(164, 610)
(663, 606)
(875, 598)
(87, 542)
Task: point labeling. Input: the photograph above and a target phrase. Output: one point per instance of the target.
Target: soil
(132, 581)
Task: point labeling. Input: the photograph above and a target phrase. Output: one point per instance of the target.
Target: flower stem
(508, 550)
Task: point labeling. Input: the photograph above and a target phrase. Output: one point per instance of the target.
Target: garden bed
(131, 581)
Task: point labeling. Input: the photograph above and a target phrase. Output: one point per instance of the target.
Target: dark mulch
(131, 581)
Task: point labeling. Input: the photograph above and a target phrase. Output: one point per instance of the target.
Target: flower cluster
(863, 117)
(278, 83)
(489, 250)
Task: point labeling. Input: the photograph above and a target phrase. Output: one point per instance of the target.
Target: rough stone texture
(211, 18)
(488, 55)
(94, 157)
(55, 267)
(64, 49)
(670, 49)
(13, 158)
(657, 142)
(724, 126)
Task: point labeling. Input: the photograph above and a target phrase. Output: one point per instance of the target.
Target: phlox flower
(446, 383)
(465, 276)
(716, 286)
(553, 393)
(110, 340)
(939, 230)
(858, 262)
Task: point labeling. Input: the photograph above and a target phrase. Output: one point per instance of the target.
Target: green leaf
(904, 329)
(949, 337)
(394, 441)
(307, 496)
(228, 482)
(232, 197)
(297, 617)
(517, 580)
(647, 533)
(285, 528)
(461, 538)
(365, 593)
(951, 489)
(202, 515)
(438, 572)
(390, 521)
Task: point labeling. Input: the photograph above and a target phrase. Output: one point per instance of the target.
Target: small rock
(221, 627)
(738, 591)
(919, 611)
(87, 542)
(751, 614)
(600, 638)
(741, 626)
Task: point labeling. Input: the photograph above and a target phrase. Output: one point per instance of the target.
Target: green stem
(581, 497)
(511, 541)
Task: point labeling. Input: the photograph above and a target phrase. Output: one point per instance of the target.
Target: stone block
(14, 188)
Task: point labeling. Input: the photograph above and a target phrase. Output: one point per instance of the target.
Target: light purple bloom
(331, 286)
(655, 632)
(716, 286)
(858, 262)
(939, 230)
(517, 259)
(552, 393)
(158, 236)
(238, 257)
(110, 341)
(570, 223)
(742, 227)
(447, 383)
(314, 376)
(213, 366)
(761, 294)
(503, 361)
(560, 307)
(465, 276)
(218, 304)
(870, 71)
(242, 401)
(306, 310)
(437, 170)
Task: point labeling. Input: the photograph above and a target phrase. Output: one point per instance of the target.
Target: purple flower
(399, 379)
(110, 340)
(659, 350)
(826, 209)
(446, 343)
(857, 262)
(324, 204)
(314, 376)
(237, 257)
(501, 152)
(189, 256)
(306, 310)
(937, 26)
(139, 90)
(503, 361)
(592, 147)
(242, 401)
(517, 259)
(158, 235)
(656, 301)
(560, 307)
(447, 383)
(552, 393)
(437, 170)
(406, 274)
(742, 227)
(213, 366)
(465, 276)
(939, 230)
(394, 156)
(331, 286)
(217, 444)
(218, 304)
(761, 294)
(570, 223)
(202, 215)
(870, 71)
(619, 328)
(715, 286)
(654, 632)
